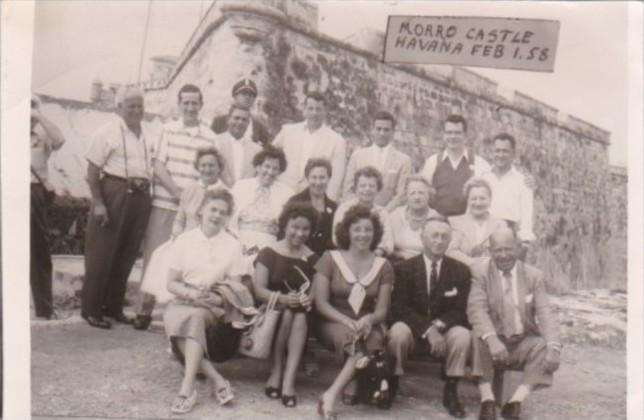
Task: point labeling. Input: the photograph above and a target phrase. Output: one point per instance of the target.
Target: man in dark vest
(449, 169)
(244, 95)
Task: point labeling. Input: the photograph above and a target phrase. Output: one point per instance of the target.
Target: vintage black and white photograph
(278, 209)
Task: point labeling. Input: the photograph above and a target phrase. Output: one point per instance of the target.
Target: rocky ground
(82, 372)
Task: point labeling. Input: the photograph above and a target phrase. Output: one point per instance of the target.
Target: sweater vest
(448, 182)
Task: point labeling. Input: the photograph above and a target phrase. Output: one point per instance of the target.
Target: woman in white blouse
(471, 231)
(367, 182)
(199, 259)
(407, 221)
(260, 201)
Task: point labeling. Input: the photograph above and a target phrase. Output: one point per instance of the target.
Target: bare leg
(279, 349)
(193, 354)
(344, 377)
(296, 342)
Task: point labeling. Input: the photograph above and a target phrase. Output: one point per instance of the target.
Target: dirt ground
(81, 372)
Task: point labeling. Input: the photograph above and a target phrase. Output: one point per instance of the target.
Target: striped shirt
(177, 149)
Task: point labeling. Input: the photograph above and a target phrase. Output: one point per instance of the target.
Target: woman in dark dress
(286, 267)
(318, 173)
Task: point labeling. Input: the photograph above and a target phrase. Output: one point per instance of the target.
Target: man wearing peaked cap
(244, 93)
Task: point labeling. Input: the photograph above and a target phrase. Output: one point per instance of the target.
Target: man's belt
(134, 185)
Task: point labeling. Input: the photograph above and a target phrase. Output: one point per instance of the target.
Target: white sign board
(521, 44)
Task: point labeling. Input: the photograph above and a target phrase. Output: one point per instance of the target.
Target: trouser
(401, 343)
(526, 353)
(158, 231)
(40, 258)
(110, 251)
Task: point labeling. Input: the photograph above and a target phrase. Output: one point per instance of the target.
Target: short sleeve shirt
(204, 261)
(340, 288)
(119, 152)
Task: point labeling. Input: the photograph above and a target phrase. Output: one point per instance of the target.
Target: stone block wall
(568, 158)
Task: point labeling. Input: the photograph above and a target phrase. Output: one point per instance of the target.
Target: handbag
(258, 340)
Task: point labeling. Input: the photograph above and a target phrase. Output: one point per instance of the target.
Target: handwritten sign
(521, 44)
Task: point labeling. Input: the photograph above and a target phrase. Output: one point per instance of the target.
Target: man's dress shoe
(98, 322)
(142, 322)
(451, 402)
(488, 410)
(511, 410)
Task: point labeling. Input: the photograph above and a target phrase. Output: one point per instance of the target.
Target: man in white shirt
(174, 170)
(512, 197)
(312, 138)
(118, 173)
(449, 170)
(394, 166)
(237, 147)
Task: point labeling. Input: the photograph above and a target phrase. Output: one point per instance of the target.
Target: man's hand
(551, 361)
(498, 350)
(305, 301)
(100, 214)
(437, 344)
(292, 300)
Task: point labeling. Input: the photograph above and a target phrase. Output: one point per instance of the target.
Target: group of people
(360, 253)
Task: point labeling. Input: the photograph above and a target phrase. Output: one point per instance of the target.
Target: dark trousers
(110, 251)
(40, 258)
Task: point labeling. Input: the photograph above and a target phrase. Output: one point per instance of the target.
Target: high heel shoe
(273, 393)
(289, 401)
(326, 415)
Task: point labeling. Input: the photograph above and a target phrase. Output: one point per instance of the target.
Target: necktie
(433, 277)
(509, 307)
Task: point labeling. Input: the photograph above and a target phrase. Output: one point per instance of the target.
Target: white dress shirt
(512, 200)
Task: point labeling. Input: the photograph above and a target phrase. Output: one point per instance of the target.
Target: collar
(510, 171)
(462, 156)
(203, 237)
(513, 271)
(191, 130)
(211, 186)
(126, 129)
(377, 148)
(305, 126)
(428, 264)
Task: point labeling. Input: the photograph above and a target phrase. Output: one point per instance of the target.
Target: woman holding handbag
(200, 259)
(286, 268)
(352, 296)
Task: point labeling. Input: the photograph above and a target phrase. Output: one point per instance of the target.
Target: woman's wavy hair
(293, 211)
(219, 194)
(352, 216)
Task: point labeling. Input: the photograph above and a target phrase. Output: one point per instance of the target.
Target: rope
(145, 38)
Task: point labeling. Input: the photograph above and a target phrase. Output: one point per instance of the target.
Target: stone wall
(567, 157)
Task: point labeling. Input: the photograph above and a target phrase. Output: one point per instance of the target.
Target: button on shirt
(512, 277)
(512, 200)
(428, 268)
(480, 166)
(113, 143)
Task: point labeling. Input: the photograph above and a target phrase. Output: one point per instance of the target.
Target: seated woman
(472, 230)
(209, 164)
(286, 267)
(260, 201)
(407, 221)
(352, 291)
(200, 258)
(318, 173)
(367, 182)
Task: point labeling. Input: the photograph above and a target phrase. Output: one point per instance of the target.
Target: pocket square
(528, 298)
(451, 293)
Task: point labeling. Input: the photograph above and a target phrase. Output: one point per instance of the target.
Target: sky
(77, 41)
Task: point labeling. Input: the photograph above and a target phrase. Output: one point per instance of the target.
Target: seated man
(510, 315)
(429, 310)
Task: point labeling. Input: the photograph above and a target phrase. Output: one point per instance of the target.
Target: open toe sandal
(273, 393)
(289, 401)
(183, 404)
(224, 394)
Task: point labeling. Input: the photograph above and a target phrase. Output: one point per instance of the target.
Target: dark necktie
(433, 277)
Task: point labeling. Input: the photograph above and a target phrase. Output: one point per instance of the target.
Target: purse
(258, 340)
